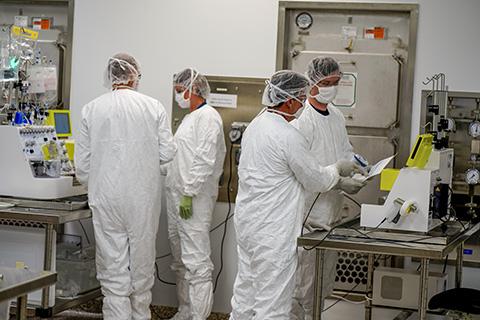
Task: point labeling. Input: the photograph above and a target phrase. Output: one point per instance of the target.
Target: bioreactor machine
(419, 197)
(35, 164)
(463, 113)
(36, 160)
(420, 193)
(37, 172)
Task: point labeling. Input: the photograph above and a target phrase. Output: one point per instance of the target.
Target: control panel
(34, 138)
(42, 149)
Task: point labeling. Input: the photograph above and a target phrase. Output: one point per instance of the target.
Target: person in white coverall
(323, 126)
(123, 139)
(192, 188)
(275, 170)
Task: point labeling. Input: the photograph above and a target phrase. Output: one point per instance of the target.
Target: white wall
(237, 38)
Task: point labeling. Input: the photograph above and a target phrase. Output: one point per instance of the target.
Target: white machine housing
(19, 146)
(412, 186)
(399, 287)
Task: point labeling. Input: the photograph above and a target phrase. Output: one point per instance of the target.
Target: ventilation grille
(20, 223)
(352, 271)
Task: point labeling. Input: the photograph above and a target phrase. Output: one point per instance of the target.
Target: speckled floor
(92, 310)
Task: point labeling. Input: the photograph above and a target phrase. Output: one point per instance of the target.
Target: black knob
(433, 108)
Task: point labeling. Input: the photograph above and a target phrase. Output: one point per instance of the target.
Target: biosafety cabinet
(374, 44)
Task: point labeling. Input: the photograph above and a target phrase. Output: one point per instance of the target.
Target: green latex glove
(186, 210)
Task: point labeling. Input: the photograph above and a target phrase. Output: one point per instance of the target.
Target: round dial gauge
(472, 176)
(235, 135)
(474, 129)
(304, 20)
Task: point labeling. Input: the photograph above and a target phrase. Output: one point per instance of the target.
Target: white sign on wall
(222, 100)
(347, 91)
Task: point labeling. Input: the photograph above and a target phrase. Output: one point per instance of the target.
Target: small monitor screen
(62, 123)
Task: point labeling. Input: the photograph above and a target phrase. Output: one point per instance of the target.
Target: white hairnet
(191, 79)
(122, 68)
(321, 68)
(283, 86)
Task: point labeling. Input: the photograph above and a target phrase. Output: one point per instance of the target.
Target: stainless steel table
(51, 219)
(376, 242)
(21, 289)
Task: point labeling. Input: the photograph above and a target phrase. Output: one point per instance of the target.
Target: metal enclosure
(56, 43)
(249, 93)
(376, 90)
(463, 108)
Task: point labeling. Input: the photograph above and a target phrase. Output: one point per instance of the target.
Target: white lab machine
(419, 194)
(27, 172)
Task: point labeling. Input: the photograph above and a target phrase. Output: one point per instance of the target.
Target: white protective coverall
(195, 171)
(275, 169)
(124, 137)
(327, 139)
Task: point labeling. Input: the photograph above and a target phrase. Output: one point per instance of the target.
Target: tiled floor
(341, 311)
(92, 310)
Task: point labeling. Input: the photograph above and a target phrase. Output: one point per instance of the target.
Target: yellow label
(24, 33)
(46, 152)
(388, 178)
(19, 265)
(50, 151)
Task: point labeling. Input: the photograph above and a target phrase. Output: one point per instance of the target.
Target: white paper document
(375, 170)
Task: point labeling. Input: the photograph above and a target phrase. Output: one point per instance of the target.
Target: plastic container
(76, 270)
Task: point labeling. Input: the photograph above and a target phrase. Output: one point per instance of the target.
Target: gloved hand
(348, 168)
(349, 185)
(186, 209)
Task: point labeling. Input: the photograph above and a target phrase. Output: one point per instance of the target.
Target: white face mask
(180, 97)
(182, 102)
(326, 94)
(300, 111)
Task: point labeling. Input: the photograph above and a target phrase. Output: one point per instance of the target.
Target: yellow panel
(421, 151)
(50, 121)
(70, 145)
(388, 178)
(24, 33)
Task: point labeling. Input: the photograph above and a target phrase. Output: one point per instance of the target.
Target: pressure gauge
(474, 129)
(235, 135)
(472, 176)
(304, 20)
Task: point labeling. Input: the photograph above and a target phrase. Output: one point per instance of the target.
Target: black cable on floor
(84, 232)
(160, 279)
(226, 217)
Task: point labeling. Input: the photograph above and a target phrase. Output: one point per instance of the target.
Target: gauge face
(472, 176)
(304, 20)
(235, 135)
(474, 129)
